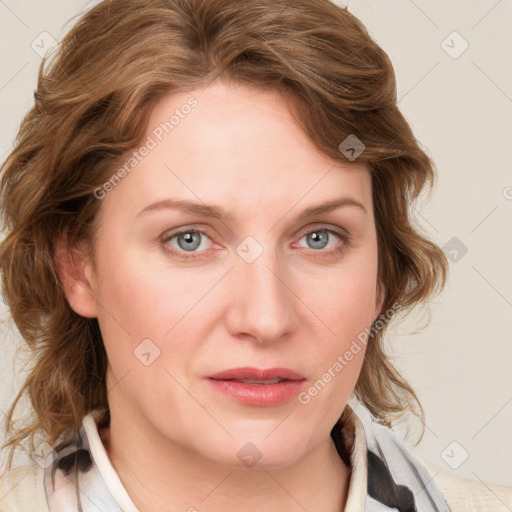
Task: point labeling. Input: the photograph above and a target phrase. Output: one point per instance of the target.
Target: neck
(161, 475)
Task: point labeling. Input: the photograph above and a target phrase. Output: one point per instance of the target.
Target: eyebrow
(217, 212)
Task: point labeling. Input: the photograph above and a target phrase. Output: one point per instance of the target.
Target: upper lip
(257, 374)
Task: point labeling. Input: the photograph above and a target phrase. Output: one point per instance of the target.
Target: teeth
(251, 381)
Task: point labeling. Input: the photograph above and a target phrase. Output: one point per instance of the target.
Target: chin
(242, 453)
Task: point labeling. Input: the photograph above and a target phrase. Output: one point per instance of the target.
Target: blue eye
(187, 240)
(319, 239)
(189, 244)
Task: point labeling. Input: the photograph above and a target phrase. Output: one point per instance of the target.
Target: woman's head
(252, 106)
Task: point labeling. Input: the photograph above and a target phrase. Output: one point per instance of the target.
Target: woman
(207, 217)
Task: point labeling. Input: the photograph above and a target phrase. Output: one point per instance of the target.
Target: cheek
(146, 298)
(347, 310)
(348, 299)
(143, 301)
(339, 351)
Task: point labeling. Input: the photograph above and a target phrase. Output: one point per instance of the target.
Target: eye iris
(189, 236)
(319, 239)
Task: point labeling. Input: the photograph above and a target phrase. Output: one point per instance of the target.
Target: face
(245, 278)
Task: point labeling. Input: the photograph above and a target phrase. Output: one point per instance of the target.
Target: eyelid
(324, 227)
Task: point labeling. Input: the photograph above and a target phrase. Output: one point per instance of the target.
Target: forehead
(239, 147)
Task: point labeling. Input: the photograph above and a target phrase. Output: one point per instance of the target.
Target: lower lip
(262, 395)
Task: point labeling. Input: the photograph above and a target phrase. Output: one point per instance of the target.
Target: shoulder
(22, 488)
(468, 495)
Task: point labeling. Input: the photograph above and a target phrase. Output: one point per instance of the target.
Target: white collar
(107, 471)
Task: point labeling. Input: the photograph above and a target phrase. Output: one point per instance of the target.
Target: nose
(263, 305)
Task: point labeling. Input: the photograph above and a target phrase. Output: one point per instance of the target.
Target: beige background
(460, 106)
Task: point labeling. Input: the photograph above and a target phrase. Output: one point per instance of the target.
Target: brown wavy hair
(92, 103)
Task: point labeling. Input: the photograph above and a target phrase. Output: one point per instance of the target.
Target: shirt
(386, 476)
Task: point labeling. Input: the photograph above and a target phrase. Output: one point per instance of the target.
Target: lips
(257, 387)
(256, 375)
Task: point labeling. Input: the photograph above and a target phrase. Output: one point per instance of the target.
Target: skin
(173, 439)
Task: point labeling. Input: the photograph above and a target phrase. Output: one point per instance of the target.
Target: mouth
(255, 387)
(258, 376)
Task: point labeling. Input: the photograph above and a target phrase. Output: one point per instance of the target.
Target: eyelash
(346, 240)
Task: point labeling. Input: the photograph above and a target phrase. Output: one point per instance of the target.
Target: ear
(379, 300)
(77, 277)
